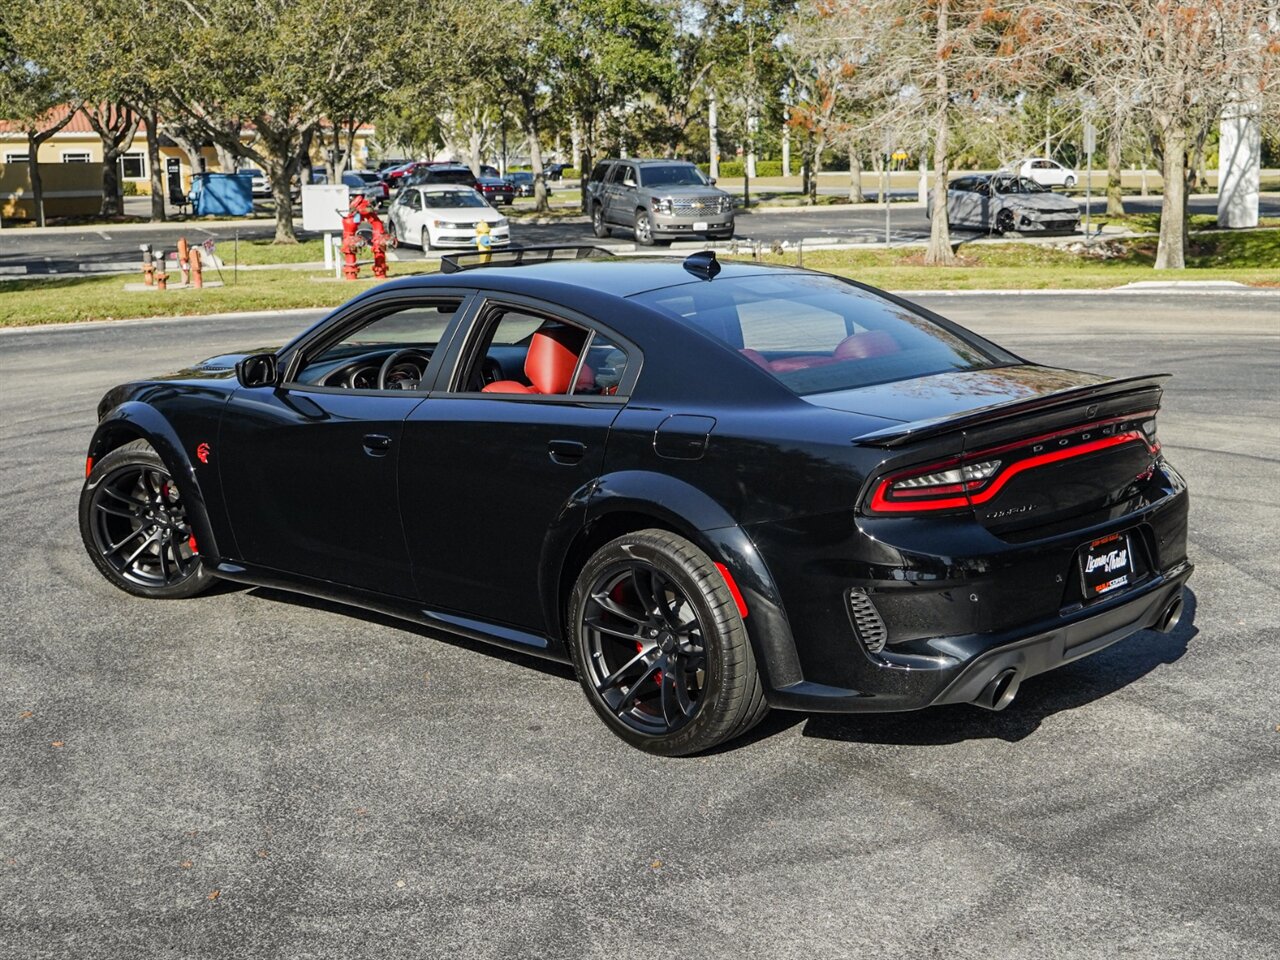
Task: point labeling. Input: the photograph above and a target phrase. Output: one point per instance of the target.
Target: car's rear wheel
(598, 226)
(134, 523)
(643, 228)
(1069, 182)
(660, 647)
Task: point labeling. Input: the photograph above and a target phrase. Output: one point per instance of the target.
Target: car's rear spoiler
(904, 433)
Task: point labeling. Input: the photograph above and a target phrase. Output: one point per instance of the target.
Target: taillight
(962, 482)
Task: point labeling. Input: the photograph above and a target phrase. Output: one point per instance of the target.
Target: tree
(31, 93)
(1177, 62)
(925, 65)
(601, 54)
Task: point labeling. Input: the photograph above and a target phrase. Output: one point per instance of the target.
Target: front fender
(136, 420)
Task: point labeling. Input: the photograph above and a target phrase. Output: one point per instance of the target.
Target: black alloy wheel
(1004, 221)
(135, 526)
(660, 647)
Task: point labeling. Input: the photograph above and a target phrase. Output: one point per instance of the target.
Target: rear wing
(904, 433)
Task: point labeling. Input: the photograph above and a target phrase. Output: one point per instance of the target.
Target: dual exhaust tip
(1003, 687)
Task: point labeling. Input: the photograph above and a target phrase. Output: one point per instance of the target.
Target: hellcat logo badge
(202, 453)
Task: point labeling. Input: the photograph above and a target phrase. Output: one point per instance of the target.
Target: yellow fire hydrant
(484, 242)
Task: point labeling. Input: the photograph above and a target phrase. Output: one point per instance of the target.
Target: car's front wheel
(1004, 221)
(644, 228)
(598, 226)
(135, 525)
(660, 646)
(425, 240)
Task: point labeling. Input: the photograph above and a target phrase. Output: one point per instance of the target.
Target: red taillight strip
(881, 504)
(1066, 453)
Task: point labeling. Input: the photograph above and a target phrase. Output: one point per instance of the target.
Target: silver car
(1007, 203)
(660, 200)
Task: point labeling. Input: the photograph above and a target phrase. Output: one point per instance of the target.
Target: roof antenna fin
(703, 264)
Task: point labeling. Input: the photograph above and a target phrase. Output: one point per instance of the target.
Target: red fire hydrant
(197, 279)
(378, 243)
(350, 242)
(182, 258)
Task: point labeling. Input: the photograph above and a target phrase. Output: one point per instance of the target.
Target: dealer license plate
(700, 225)
(1106, 565)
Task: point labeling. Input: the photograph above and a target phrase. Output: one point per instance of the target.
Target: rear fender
(134, 420)
(675, 505)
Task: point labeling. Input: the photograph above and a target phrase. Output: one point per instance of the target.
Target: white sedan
(1047, 173)
(444, 215)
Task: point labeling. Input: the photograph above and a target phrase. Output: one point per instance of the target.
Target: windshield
(817, 333)
(454, 198)
(1017, 185)
(363, 175)
(673, 175)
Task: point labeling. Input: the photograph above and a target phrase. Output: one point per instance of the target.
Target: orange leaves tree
(1171, 66)
(922, 66)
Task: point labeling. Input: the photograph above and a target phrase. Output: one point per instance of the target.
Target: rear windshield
(816, 333)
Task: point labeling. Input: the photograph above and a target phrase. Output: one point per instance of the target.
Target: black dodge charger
(714, 489)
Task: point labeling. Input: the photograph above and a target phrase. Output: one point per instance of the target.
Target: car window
(672, 174)
(353, 359)
(603, 367)
(454, 198)
(571, 359)
(412, 199)
(598, 174)
(628, 175)
(816, 333)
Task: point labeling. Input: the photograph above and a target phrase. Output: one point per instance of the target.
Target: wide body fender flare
(679, 506)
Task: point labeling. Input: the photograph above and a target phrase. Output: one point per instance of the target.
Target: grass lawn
(1251, 257)
(65, 300)
(1248, 257)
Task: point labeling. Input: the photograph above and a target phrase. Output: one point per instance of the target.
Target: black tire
(708, 657)
(643, 228)
(598, 226)
(1004, 222)
(1069, 182)
(135, 527)
(425, 240)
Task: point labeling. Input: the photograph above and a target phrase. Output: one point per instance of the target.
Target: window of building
(16, 157)
(133, 166)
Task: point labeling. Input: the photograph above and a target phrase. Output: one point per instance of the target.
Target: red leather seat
(788, 364)
(869, 343)
(553, 354)
(755, 356)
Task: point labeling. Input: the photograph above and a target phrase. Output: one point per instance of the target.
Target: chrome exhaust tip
(1172, 617)
(999, 691)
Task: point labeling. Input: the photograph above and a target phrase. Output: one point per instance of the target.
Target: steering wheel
(399, 356)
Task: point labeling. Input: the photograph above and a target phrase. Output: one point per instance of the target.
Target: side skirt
(501, 635)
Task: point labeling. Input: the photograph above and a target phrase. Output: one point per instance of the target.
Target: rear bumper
(973, 662)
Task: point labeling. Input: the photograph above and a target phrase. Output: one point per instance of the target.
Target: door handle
(566, 452)
(376, 444)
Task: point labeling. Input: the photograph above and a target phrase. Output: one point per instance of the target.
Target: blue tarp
(222, 194)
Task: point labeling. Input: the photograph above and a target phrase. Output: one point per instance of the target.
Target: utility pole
(1090, 141)
(713, 145)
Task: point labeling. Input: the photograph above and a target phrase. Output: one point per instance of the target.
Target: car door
(308, 468)
(960, 202)
(616, 208)
(488, 467)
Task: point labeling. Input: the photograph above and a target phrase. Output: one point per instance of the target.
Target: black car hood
(953, 392)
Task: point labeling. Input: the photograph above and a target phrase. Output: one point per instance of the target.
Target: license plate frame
(1106, 566)
(700, 226)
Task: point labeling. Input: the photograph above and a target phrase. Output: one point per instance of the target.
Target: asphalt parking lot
(250, 774)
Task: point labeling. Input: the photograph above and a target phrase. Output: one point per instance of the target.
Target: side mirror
(258, 370)
(711, 180)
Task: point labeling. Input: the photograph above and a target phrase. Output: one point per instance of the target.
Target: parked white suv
(1047, 173)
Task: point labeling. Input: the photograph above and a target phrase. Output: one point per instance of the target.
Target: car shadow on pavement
(552, 667)
(1065, 688)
